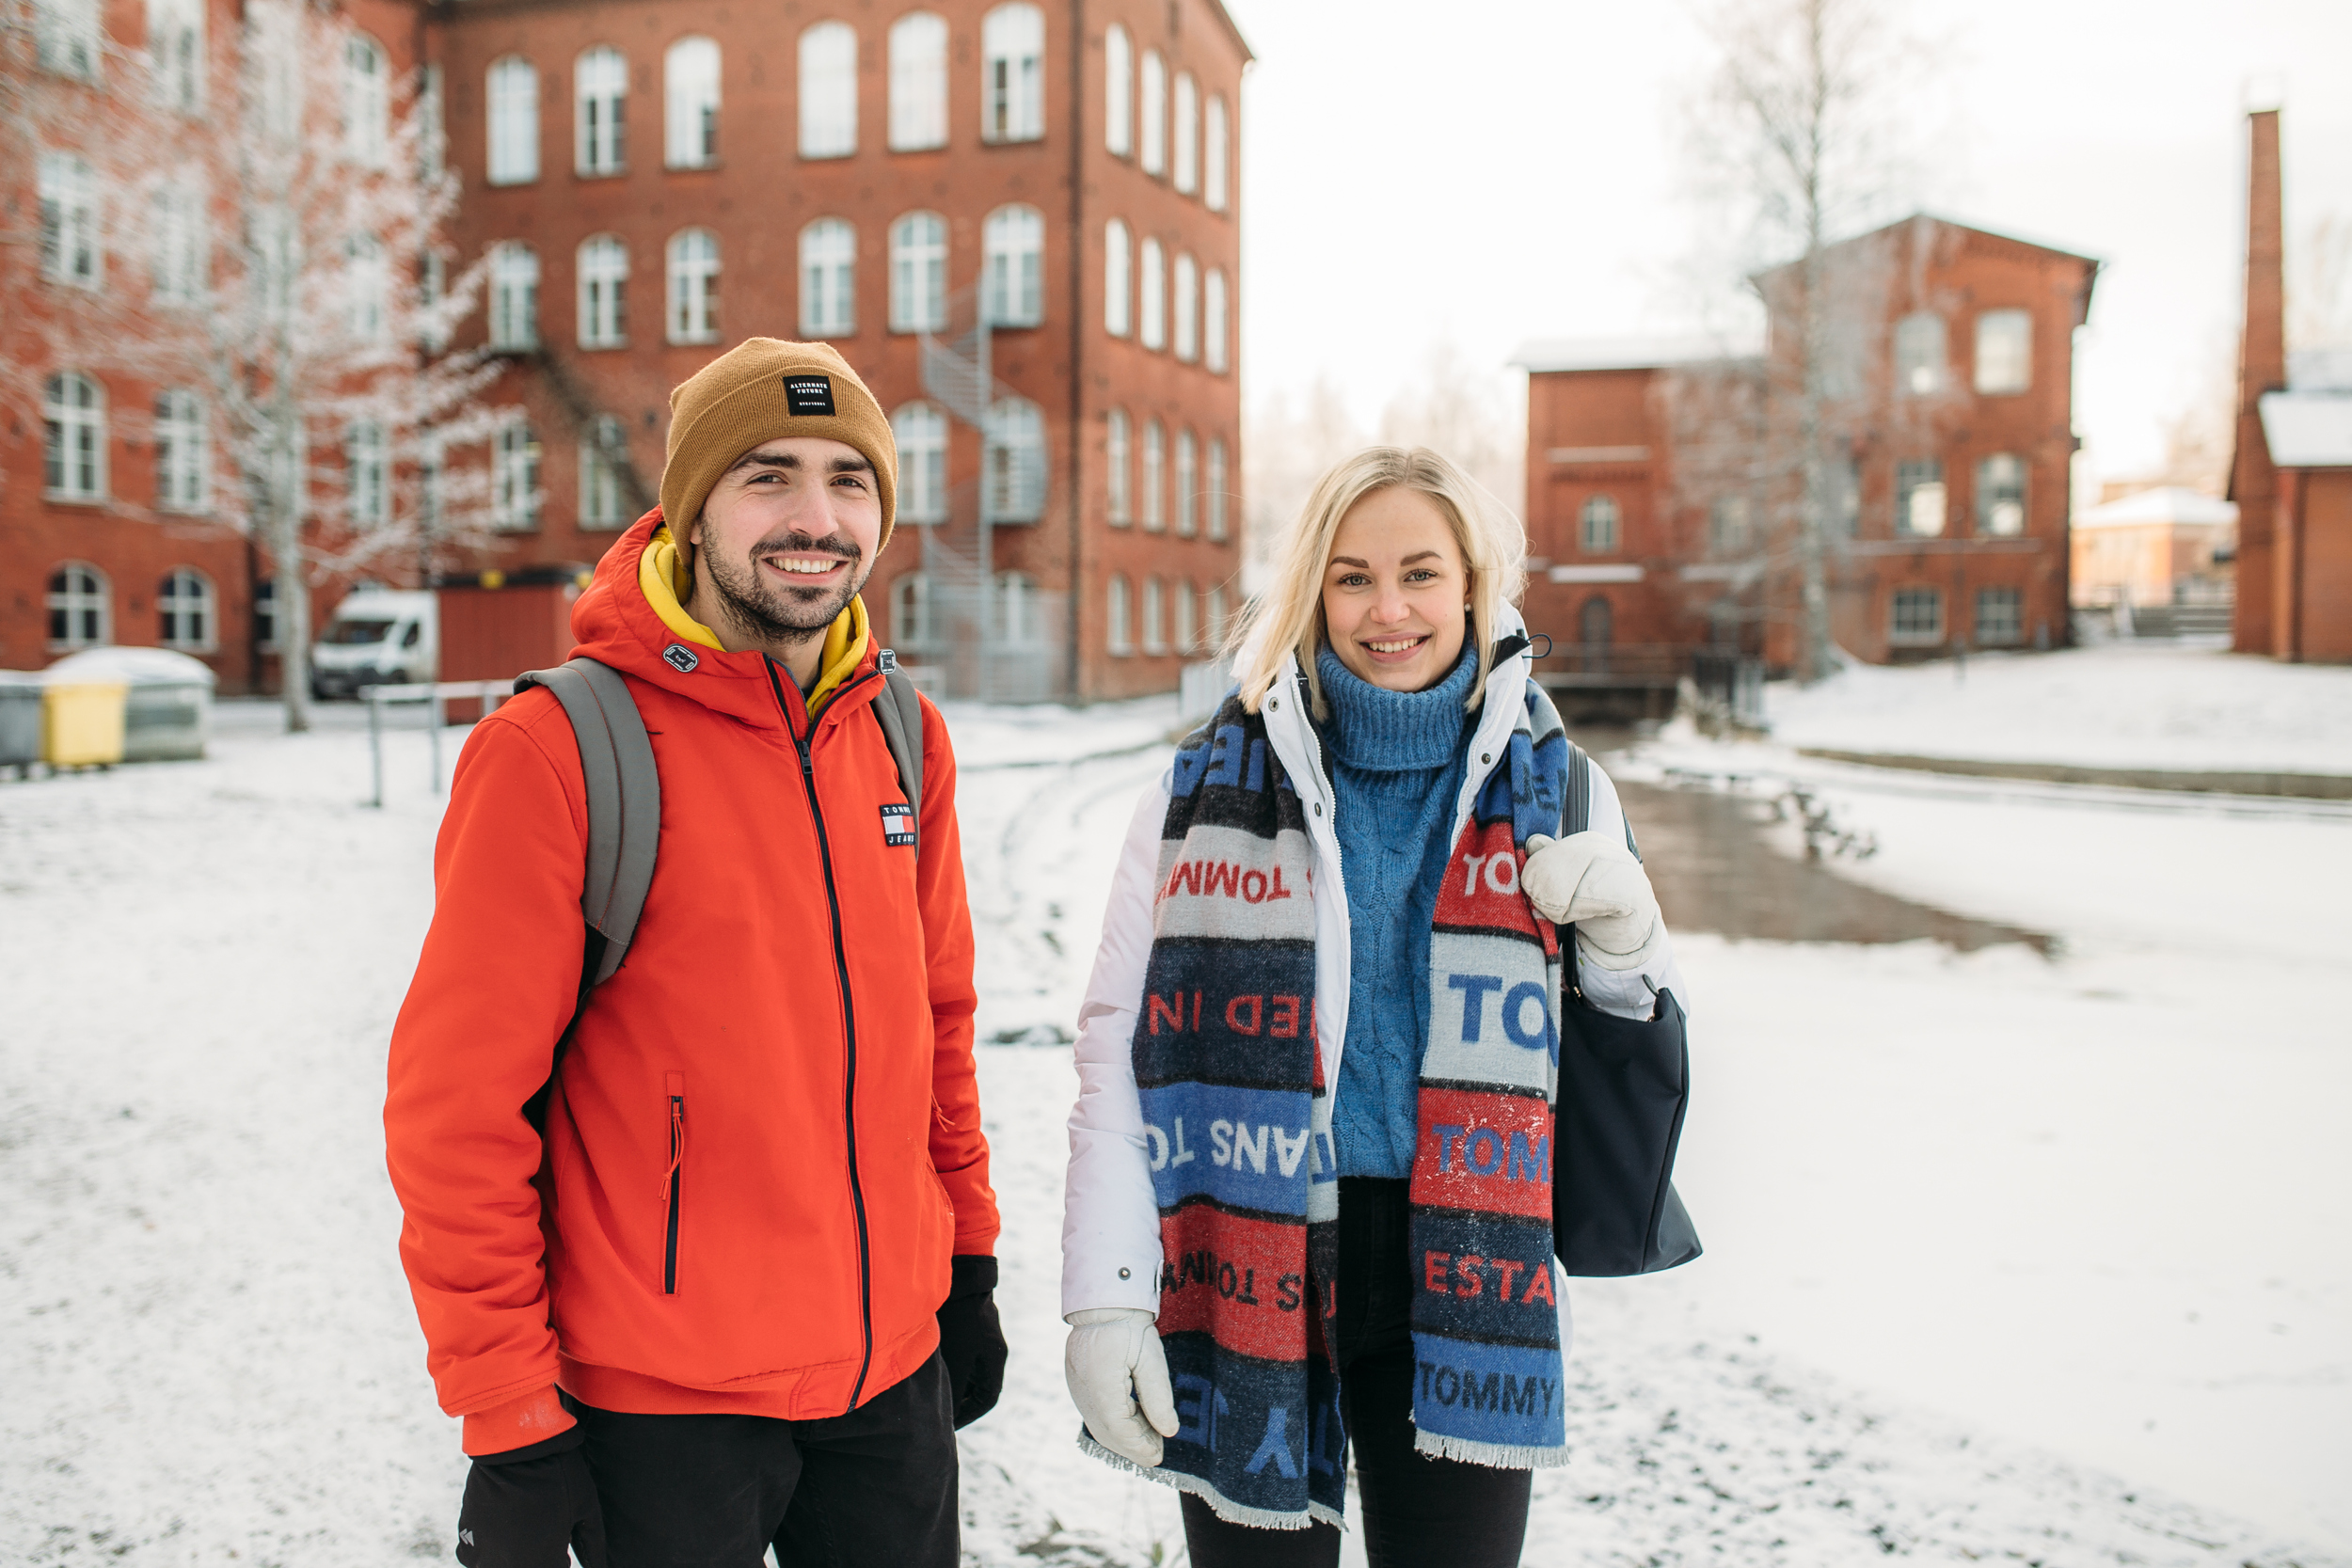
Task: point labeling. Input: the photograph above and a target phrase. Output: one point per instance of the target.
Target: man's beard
(767, 612)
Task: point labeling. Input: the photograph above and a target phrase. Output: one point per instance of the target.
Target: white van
(379, 637)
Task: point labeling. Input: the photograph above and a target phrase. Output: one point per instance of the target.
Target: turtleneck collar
(1378, 731)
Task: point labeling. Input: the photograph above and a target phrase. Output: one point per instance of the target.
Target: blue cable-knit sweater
(1396, 761)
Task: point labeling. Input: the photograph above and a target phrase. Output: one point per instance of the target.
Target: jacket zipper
(670, 1180)
(848, 1023)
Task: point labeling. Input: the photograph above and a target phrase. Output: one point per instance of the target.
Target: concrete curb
(2294, 786)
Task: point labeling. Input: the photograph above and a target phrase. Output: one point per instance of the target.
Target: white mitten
(1110, 1349)
(1592, 880)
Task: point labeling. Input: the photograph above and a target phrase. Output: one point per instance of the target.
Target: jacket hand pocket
(674, 1100)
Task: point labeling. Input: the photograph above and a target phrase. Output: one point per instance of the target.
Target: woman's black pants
(1417, 1509)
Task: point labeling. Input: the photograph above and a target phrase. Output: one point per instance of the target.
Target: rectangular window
(1917, 618)
(1727, 525)
(1214, 328)
(829, 90)
(65, 36)
(2001, 496)
(514, 297)
(1115, 456)
(1213, 155)
(918, 82)
(1919, 355)
(175, 49)
(1118, 289)
(1152, 329)
(1154, 638)
(1920, 499)
(1216, 489)
(1187, 309)
(601, 453)
(183, 453)
(603, 265)
(1187, 485)
(69, 220)
(367, 475)
(432, 129)
(2000, 617)
(2004, 352)
(181, 275)
(515, 480)
(1188, 134)
(1154, 477)
(1013, 80)
(514, 94)
(1118, 634)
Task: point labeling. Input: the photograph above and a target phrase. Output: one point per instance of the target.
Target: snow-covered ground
(2027, 1260)
(2151, 704)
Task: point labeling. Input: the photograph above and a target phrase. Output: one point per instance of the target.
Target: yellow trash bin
(81, 724)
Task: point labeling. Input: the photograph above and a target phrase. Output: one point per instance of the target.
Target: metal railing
(433, 695)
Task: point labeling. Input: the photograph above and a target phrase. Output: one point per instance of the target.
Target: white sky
(1496, 170)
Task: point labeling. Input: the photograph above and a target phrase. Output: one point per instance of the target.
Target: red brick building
(655, 181)
(1662, 485)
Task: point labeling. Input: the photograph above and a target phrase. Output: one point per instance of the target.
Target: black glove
(526, 1506)
(971, 1341)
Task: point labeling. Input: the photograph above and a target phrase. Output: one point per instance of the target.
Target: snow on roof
(2308, 429)
(1630, 354)
(2167, 503)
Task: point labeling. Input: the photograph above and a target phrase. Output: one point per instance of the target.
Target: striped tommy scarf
(1238, 1122)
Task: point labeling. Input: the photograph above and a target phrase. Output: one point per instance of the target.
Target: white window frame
(1187, 307)
(175, 53)
(599, 111)
(67, 37)
(601, 507)
(1118, 92)
(1014, 238)
(919, 430)
(1215, 321)
(828, 272)
(1599, 526)
(85, 599)
(432, 123)
(514, 296)
(182, 249)
(1118, 285)
(1922, 500)
(1117, 497)
(1184, 625)
(1216, 153)
(71, 252)
(690, 103)
(515, 496)
(1015, 461)
(602, 269)
(911, 612)
(828, 77)
(367, 101)
(265, 616)
(512, 92)
(1015, 611)
(1922, 356)
(187, 612)
(1906, 627)
(1151, 103)
(1187, 485)
(2002, 496)
(1216, 488)
(918, 273)
(1153, 513)
(690, 303)
(1152, 323)
(183, 452)
(1212, 616)
(918, 82)
(1186, 103)
(366, 474)
(1155, 616)
(74, 438)
(1999, 636)
(367, 288)
(2004, 356)
(1012, 73)
(1117, 620)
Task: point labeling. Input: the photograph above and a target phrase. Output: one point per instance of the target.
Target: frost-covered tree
(257, 220)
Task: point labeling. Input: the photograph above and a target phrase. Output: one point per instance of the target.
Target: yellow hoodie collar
(662, 576)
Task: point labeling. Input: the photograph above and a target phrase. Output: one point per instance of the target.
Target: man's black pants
(876, 1486)
(1417, 1510)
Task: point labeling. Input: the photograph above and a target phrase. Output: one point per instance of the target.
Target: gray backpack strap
(624, 802)
(1579, 813)
(899, 712)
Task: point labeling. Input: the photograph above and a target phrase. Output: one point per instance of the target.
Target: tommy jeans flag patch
(897, 823)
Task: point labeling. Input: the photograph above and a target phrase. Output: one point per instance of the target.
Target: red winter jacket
(763, 1143)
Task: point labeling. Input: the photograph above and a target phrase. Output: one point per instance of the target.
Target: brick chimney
(2262, 367)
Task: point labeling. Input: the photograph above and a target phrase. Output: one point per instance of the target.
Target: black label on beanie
(808, 394)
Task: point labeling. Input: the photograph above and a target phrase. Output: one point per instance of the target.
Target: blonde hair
(1287, 618)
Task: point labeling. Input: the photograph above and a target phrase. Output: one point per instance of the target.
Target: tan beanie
(760, 390)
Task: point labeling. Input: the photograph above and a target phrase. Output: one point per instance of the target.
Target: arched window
(1216, 328)
(1154, 617)
(1016, 461)
(1187, 485)
(515, 479)
(175, 47)
(1118, 635)
(918, 82)
(1118, 280)
(911, 612)
(1155, 476)
(1212, 615)
(1118, 92)
(918, 273)
(66, 38)
(828, 280)
(1919, 353)
(692, 310)
(1187, 307)
(81, 608)
(74, 448)
(1216, 489)
(366, 474)
(514, 296)
(829, 90)
(69, 220)
(1598, 526)
(1018, 623)
(185, 615)
(921, 432)
(601, 108)
(1152, 102)
(367, 285)
(1115, 456)
(1214, 155)
(367, 99)
(1595, 623)
(1187, 105)
(1186, 634)
(603, 447)
(1013, 80)
(1153, 328)
(690, 93)
(514, 98)
(1014, 240)
(603, 285)
(183, 467)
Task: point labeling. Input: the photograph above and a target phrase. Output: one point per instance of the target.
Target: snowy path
(1976, 1212)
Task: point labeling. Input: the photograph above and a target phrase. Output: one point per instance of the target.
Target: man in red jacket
(736, 1292)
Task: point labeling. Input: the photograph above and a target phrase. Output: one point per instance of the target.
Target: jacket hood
(630, 617)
